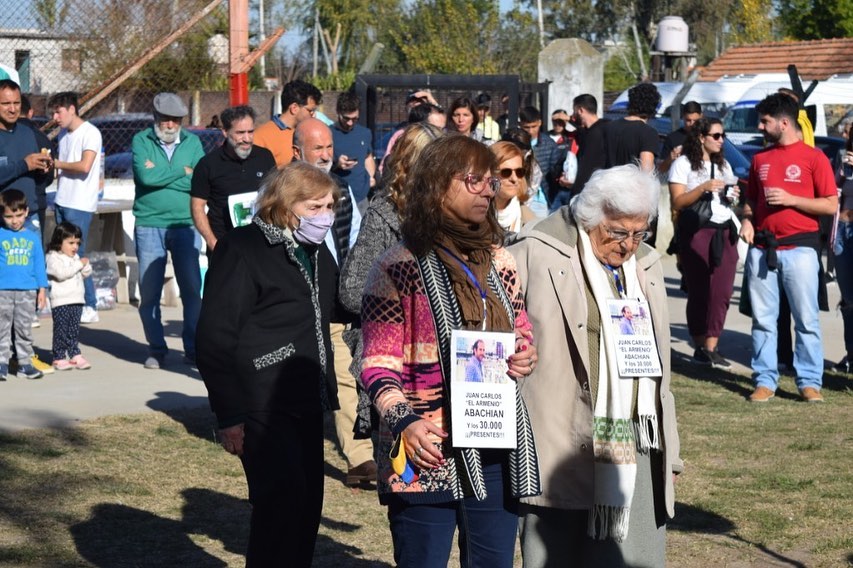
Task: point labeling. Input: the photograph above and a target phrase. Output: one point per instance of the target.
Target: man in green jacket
(164, 157)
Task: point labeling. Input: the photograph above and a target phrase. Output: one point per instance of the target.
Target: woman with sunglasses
(606, 432)
(511, 199)
(449, 272)
(708, 253)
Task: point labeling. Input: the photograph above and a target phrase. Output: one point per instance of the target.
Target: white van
(829, 102)
(714, 96)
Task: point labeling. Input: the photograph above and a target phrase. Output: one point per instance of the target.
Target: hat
(170, 104)
(483, 100)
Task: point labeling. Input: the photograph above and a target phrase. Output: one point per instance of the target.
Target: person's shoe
(36, 322)
(80, 363)
(4, 370)
(811, 394)
(717, 360)
(41, 365)
(63, 365)
(153, 362)
(842, 366)
(365, 472)
(700, 355)
(90, 315)
(761, 394)
(29, 372)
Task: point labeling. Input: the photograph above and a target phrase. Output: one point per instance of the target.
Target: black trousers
(283, 461)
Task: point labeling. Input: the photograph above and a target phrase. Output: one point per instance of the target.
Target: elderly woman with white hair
(600, 401)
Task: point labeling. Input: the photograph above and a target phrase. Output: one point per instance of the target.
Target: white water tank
(672, 35)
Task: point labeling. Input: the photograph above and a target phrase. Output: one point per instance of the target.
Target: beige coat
(558, 393)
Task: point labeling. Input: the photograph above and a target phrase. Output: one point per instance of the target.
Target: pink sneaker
(63, 365)
(80, 363)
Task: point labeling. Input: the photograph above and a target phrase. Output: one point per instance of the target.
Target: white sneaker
(90, 315)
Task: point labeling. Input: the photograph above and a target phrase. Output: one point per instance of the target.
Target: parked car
(829, 145)
(120, 165)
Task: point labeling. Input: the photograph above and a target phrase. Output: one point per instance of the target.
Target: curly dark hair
(423, 215)
(643, 100)
(693, 147)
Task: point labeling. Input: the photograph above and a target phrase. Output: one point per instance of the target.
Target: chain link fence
(116, 54)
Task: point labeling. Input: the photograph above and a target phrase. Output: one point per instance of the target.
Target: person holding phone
(353, 149)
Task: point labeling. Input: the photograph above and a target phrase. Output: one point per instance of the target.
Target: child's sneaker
(80, 363)
(62, 365)
(29, 372)
(4, 370)
(41, 365)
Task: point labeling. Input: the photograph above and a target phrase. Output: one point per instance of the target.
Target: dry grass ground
(768, 485)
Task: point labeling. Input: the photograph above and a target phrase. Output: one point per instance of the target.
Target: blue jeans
(797, 274)
(423, 534)
(844, 273)
(82, 219)
(152, 244)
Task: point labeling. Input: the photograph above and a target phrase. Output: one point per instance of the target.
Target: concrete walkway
(118, 384)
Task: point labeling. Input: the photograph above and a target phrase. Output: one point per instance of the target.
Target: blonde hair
(407, 150)
(505, 151)
(282, 188)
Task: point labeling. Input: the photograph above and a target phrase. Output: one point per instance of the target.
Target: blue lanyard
(615, 271)
(473, 280)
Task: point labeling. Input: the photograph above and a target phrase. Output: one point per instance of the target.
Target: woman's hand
(523, 361)
(713, 185)
(421, 451)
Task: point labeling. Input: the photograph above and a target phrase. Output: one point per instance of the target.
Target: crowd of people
(344, 289)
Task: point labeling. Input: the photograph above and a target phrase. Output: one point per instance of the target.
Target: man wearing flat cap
(164, 157)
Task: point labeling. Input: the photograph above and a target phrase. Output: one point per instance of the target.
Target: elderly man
(164, 157)
(313, 143)
(236, 167)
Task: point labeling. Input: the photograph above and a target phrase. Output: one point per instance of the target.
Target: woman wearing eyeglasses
(511, 199)
(707, 253)
(601, 408)
(449, 272)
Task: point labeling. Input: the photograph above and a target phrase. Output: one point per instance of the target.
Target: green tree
(816, 19)
(517, 46)
(447, 36)
(50, 14)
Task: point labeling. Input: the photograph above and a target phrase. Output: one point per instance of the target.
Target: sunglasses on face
(506, 173)
(718, 135)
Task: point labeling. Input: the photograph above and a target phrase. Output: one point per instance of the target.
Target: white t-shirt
(77, 190)
(681, 172)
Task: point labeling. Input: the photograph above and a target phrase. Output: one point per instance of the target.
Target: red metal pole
(239, 89)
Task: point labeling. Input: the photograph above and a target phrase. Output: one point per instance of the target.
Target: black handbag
(693, 218)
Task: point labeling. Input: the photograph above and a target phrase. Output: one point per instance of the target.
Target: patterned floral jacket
(408, 313)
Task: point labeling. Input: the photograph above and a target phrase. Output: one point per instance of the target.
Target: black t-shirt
(592, 153)
(220, 174)
(626, 139)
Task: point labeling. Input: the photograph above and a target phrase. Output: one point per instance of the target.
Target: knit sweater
(402, 372)
(66, 274)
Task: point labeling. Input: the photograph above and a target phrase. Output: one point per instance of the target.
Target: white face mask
(312, 230)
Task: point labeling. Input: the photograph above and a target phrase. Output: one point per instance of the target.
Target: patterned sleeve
(505, 263)
(383, 331)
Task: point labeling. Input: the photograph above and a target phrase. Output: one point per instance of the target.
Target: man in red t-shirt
(790, 184)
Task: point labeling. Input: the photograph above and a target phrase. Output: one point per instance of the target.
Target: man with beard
(164, 157)
(790, 185)
(313, 143)
(236, 167)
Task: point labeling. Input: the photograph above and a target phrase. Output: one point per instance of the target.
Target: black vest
(343, 221)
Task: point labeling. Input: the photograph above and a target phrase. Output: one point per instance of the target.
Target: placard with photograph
(482, 397)
(636, 349)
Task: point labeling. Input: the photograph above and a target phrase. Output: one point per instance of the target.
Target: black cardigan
(259, 346)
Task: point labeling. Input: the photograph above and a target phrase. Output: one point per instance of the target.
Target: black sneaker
(717, 360)
(700, 355)
(843, 366)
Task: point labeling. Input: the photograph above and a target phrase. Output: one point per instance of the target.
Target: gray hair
(623, 191)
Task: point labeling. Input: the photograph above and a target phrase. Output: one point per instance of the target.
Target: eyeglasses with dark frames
(718, 135)
(477, 184)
